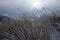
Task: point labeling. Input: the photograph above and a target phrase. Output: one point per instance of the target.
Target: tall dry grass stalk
(26, 29)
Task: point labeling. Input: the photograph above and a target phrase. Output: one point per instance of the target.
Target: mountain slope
(5, 19)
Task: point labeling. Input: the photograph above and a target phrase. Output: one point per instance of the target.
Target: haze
(9, 7)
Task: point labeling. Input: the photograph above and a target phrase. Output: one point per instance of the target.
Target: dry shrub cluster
(26, 29)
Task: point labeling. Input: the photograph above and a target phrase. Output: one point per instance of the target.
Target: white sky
(26, 3)
(12, 5)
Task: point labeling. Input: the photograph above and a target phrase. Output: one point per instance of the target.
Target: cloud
(51, 3)
(10, 6)
(27, 3)
(14, 3)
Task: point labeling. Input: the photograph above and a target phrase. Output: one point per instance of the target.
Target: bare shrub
(26, 29)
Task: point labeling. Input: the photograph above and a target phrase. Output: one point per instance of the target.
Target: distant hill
(5, 19)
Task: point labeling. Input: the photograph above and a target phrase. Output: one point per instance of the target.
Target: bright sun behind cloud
(36, 4)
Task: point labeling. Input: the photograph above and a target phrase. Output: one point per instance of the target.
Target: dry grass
(26, 29)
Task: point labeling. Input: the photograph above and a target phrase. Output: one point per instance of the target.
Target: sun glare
(36, 4)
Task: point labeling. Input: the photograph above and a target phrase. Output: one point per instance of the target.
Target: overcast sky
(9, 7)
